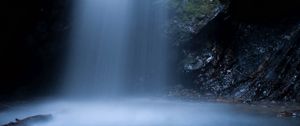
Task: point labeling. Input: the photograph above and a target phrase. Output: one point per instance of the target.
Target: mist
(118, 47)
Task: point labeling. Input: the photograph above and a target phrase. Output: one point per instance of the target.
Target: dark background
(264, 11)
(33, 43)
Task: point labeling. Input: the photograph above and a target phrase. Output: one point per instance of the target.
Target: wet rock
(30, 120)
(287, 114)
(247, 60)
(196, 61)
(189, 16)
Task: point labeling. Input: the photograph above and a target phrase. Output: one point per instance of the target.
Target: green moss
(190, 9)
(187, 16)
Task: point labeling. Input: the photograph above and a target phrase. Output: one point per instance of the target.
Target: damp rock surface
(239, 54)
(28, 121)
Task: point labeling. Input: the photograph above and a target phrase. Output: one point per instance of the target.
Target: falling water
(118, 48)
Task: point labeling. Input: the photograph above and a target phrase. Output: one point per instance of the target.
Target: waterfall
(118, 47)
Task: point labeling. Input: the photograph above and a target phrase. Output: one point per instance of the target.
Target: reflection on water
(144, 112)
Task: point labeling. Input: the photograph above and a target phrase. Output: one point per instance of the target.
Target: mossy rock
(189, 16)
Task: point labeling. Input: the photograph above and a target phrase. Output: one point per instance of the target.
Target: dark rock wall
(250, 51)
(32, 45)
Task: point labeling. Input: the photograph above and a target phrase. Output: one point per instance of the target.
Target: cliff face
(247, 50)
